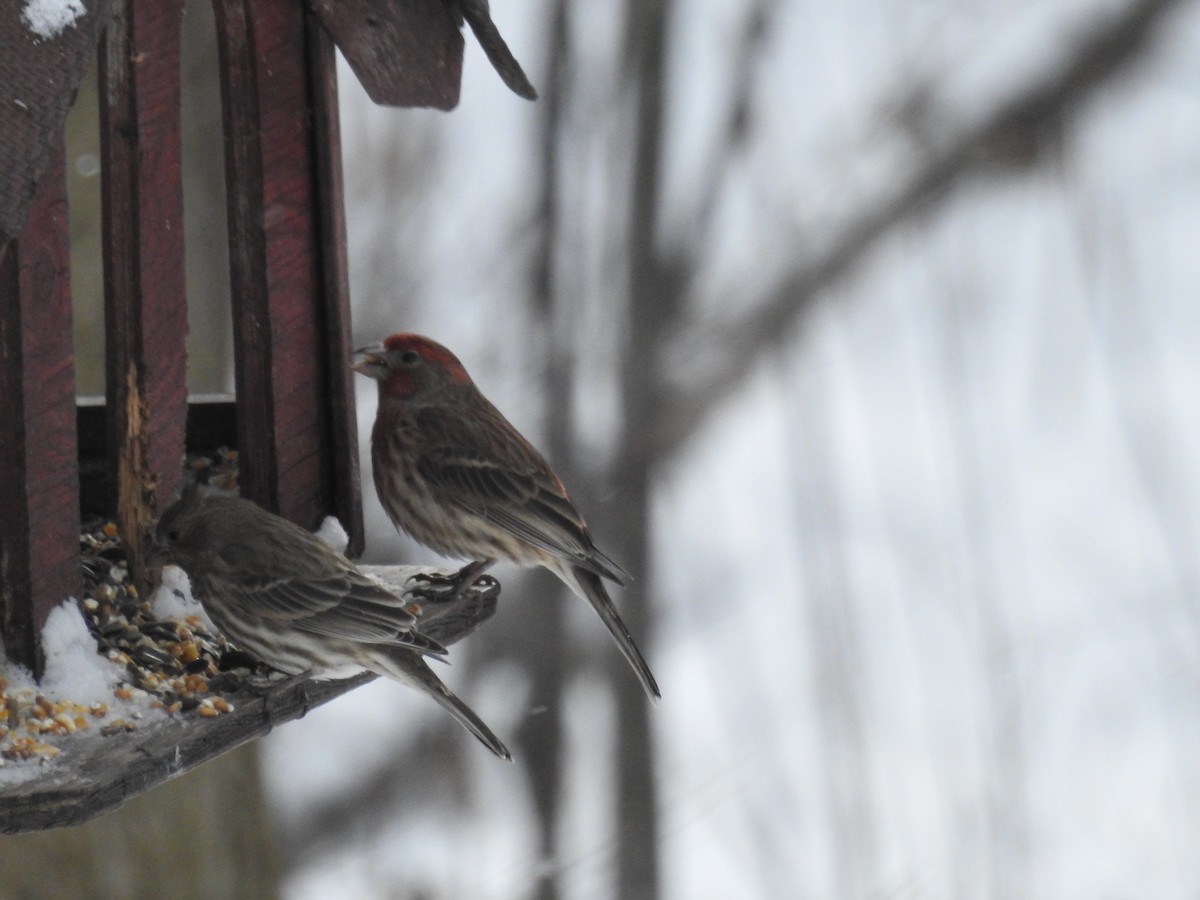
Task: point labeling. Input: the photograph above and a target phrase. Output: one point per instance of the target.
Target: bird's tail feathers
(423, 644)
(408, 667)
(589, 585)
(604, 565)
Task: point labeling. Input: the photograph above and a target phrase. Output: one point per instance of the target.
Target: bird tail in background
(409, 668)
(590, 586)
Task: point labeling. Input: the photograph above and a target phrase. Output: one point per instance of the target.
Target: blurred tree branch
(653, 303)
(354, 814)
(716, 359)
(541, 736)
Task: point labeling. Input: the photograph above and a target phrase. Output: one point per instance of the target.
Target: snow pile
(332, 533)
(15, 676)
(74, 670)
(80, 689)
(174, 600)
(50, 18)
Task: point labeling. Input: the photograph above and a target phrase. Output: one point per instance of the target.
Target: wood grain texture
(104, 772)
(38, 81)
(335, 284)
(144, 278)
(286, 268)
(405, 53)
(273, 253)
(39, 503)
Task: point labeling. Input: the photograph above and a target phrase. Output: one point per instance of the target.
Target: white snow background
(965, 502)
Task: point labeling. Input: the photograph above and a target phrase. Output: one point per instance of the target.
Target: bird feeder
(292, 419)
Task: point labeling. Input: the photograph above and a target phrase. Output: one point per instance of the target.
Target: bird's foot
(242, 671)
(449, 607)
(443, 590)
(240, 659)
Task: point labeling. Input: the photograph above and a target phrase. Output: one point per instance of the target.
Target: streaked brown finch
(455, 475)
(286, 597)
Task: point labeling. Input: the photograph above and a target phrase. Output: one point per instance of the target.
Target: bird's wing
(336, 607)
(528, 502)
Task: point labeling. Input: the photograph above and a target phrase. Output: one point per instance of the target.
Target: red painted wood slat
(335, 272)
(145, 286)
(39, 506)
(286, 361)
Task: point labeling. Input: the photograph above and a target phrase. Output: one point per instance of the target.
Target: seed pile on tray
(176, 662)
(170, 666)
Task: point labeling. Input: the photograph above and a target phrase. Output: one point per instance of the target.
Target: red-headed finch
(454, 474)
(289, 599)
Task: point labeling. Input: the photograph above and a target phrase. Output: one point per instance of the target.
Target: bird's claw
(242, 671)
(432, 587)
(240, 659)
(437, 589)
(448, 610)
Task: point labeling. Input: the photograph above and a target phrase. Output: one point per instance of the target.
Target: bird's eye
(173, 535)
(409, 357)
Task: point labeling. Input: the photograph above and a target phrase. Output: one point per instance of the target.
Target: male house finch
(287, 597)
(460, 479)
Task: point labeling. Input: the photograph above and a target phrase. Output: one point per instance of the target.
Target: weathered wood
(144, 283)
(38, 81)
(405, 52)
(104, 772)
(97, 774)
(479, 17)
(335, 275)
(211, 424)
(284, 384)
(39, 502)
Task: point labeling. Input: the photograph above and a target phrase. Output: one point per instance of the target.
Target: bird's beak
(370, 361)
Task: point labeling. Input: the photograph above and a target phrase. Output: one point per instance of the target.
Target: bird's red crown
(431, 351)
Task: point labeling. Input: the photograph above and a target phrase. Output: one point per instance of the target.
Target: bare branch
(730, 352)
(731, 140)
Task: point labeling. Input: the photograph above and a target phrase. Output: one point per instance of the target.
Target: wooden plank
(95, 774)
(39, 505)
(104, 772)
(335, 273)
(211, 424)
(279, 275)
(144, 280)
(39, 77)
(405, 52)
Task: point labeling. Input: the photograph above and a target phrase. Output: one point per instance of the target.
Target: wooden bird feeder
(292, 419)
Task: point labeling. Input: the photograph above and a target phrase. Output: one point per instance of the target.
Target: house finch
(460, 479)
(287, 597)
